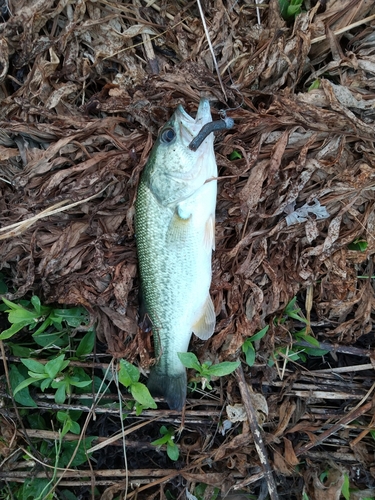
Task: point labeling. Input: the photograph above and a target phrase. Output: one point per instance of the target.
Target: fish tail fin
(170, 387)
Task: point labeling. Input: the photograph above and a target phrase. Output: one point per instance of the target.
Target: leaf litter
(85, 87)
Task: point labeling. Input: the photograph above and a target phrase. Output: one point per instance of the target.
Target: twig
(352, 415)
(211, 48)
(344, 29)
(19, 227)
(258, 441)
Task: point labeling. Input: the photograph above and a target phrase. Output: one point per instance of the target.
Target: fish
(175, 237)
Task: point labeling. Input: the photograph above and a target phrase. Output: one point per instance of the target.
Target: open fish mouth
(189, 126)
(195, 131)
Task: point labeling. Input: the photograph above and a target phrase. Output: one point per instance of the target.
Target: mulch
(85, 87)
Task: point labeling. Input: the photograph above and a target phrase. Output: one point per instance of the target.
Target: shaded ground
(85, 86)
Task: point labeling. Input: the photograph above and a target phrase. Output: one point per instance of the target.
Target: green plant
(315, 85)
(293, 311)
(345, 488)
(296, 352)
(200, 490)
(128, 376)
(289, 9)
(31, 313)
(359, 245)
(69, 421)
(207, 370)
(235, 155)
(167, 438)
(52, 375)
(248, 347)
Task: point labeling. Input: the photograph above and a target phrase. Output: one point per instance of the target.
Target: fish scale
(175, 209)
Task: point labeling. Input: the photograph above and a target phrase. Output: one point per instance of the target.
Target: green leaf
(19, 350)
(311, 351)
(45, 384)
(38, 376)
(345, 488)
(315, 85)
(79, 383)
(3, 286)
(59, 339)
(260, 334)
(234, 155)
(161, 441)
(11, 305)
(224, 368)
(23, 395)
(142, 395)
(359, 245)
(36, 303)
(7, 334)
(128, 374)
(54, 366)
(172, 450)
(33, 365)
(138, 409)
(33, 489)
(60, 394)
(21, 315)
(189, 360)
(307, 338)
(75, 428)
(46, 323)
(296, 315)
(81, 456)
(36, 421)
(74, 316)
(23, 384)
(86, 345)
(249, 351)
(62, 416)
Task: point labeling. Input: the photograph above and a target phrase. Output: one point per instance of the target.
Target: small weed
(33, 315)
(168, 439)
(52, 375)
(206, 370)
(289, 9)
(201, 489)
(359, 245)
(315, 85)
(248, 347)
(235, 155)
(296, 352)
(129, 377)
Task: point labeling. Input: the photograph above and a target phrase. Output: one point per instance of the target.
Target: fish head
(174, 172)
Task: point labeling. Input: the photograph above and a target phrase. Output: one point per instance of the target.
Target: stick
(258, 441)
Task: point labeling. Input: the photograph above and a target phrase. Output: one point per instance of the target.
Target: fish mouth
(189, 126)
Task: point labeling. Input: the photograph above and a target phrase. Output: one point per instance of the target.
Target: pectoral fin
(205, 325)
(179, 225)
(209, 234)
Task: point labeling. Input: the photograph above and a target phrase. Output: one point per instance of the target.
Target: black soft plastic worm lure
(224, 124)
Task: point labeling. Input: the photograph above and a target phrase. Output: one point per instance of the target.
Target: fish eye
(168, 135)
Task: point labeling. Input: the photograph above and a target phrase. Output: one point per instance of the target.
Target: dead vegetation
(85, 86)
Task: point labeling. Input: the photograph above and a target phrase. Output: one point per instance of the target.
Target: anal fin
(205, 325)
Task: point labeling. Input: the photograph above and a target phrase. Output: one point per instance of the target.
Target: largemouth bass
(175, 235)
